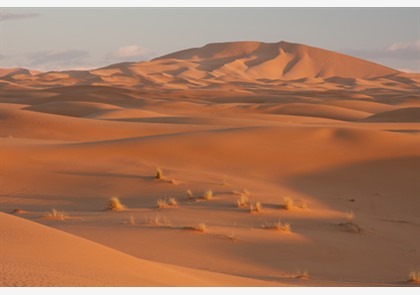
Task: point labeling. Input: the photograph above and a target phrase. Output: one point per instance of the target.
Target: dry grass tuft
(172, 202)
(255, 208)
(19, 211)
(190, 195)
(242, 202)
(288, 203)
(208, 195)
(350, 216)
(114, 204)
(201, 227)
(158, 221)
(162, 203)
(414, 277)
(56, 215)
(159, 174)
(303, 275)
(278, 226)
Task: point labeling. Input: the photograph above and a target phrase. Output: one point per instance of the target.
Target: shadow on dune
(375, 186)
(105, 174)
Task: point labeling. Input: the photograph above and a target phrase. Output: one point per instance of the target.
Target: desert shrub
(19, 211)
(161, 203)
(201, 227)
(159, 174)
(56, 215)
(114, 204)
(255, 208)
(288, 203)
(208, 195)
(302, 274)
(414, 277)
(242, 201)
(278, 226)
(190, 195)
(172, 202)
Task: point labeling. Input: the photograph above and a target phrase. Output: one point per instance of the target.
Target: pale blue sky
(63, 38)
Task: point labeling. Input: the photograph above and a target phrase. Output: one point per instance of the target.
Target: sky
(84, 38)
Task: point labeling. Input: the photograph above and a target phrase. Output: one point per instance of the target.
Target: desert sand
(327, 144)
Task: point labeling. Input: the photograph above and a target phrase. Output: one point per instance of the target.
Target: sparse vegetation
(350, 216)
(161, 203)
(255, 208)
(278, 226)
(158, 221)
(208, 195)
(114, 204)
(159, 174)
(190, 195)
(302, 275)
(19, 211)
(201, 227)
(288, 203)
(242, 201)
(172, 202)
(56, 215)
(414, 277)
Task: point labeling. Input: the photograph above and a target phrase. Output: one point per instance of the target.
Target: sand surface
(337, 135)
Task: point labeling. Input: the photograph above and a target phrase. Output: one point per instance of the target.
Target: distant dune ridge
(264, 64)
(326, 144)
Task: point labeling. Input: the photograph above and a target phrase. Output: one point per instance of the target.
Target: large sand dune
(336, 134)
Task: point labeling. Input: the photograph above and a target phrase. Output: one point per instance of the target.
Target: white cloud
(408, 51)
(15, 16)
(129, 52)
(414, 45)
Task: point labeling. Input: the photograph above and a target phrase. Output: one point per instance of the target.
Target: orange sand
(335, 133)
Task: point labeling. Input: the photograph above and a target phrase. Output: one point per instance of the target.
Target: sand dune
(252, 122)
(216, 64)
(401, 115)
(35, 255)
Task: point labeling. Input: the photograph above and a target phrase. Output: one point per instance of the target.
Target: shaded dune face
(279, 164)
